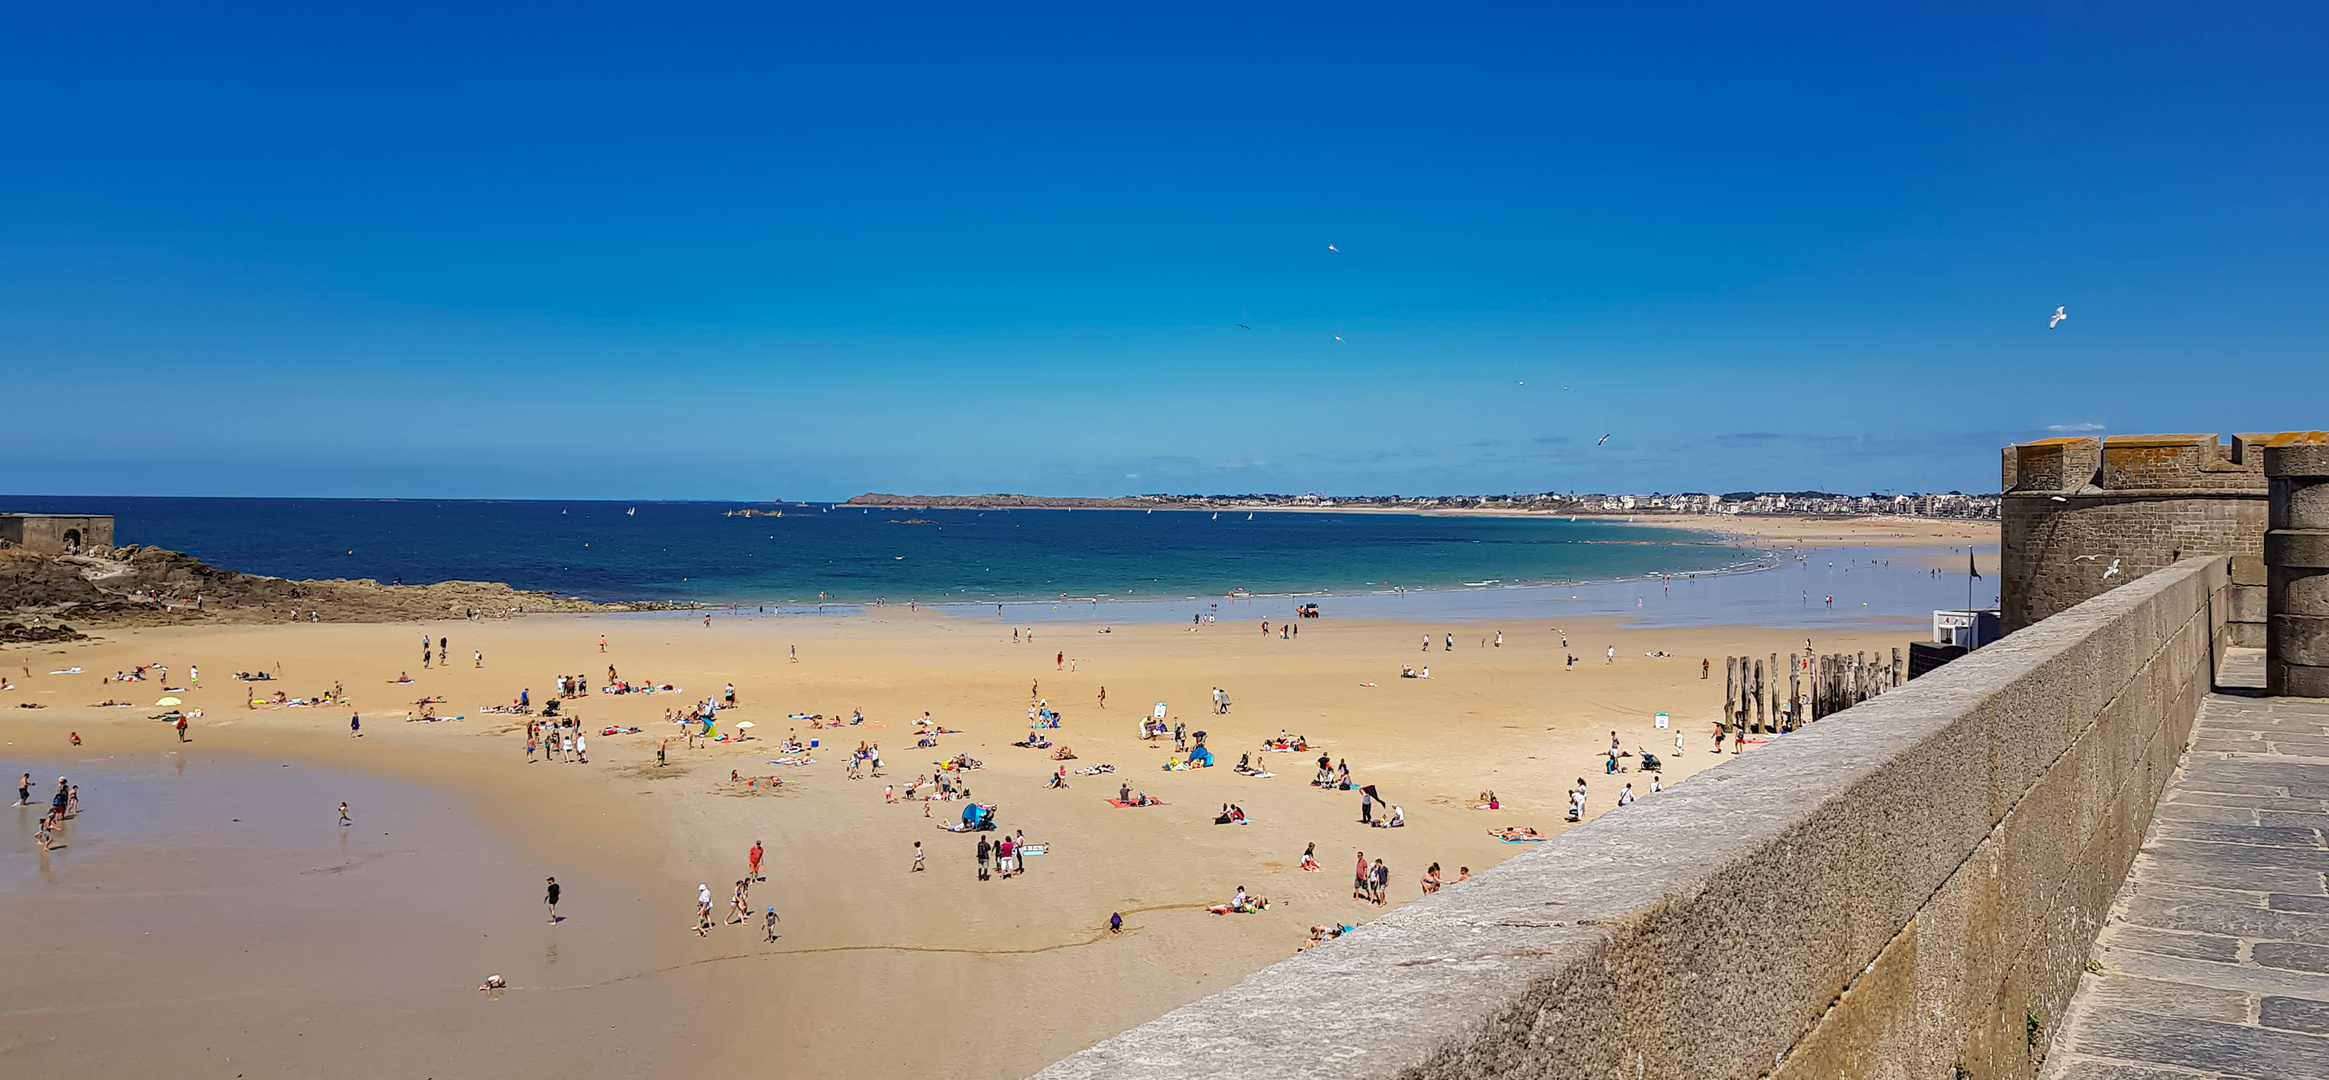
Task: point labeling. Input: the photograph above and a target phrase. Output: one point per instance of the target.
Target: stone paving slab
(2215, 962)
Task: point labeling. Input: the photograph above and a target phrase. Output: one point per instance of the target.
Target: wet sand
(880, 972)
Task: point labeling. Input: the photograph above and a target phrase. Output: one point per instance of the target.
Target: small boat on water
(632, 512)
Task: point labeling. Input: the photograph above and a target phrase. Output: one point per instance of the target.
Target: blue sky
(581, 250)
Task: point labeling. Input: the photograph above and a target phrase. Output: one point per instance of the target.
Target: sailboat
(633, 512)
(1216, 515)
(1249, 517)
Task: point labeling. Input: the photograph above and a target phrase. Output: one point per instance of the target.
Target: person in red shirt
(754, 873)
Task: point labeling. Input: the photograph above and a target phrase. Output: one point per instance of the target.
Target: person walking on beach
(739, 906)
(24, 790)
(703, 901)
(917, 858)
(1381, 883)
(550, 897)
(479, 658)
(1358, 885)
(752, 863)
(181, 728)
(1612, 655)
(1451, 643)
(355, 726)
(344, 815)
(1019, 851)
(984, 850)
(1103, 697)
(770, 923)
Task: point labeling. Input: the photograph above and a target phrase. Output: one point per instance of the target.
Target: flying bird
(1520, 382)
(1601, 440)
(2112, 571)
(2086, 558)
(1332, 248)
(1338, 337)
(2059, 315)
(1243, 326)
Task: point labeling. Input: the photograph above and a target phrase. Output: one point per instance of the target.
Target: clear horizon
(541, 253)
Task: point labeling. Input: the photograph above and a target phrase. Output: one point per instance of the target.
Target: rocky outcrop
(147, 585)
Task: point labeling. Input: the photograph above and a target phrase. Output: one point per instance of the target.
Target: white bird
(2112, 571)
(1520, 382)
(2086, 558)
(1601, 440)
(1332, 248)
(2059, 315)
(1338, 337)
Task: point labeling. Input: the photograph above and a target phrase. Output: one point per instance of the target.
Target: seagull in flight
(2112, 571)
(2086, 558)
(1601, 440)
(2059, 315)
(1243, 326)
(1332, 248)
(1338, 337)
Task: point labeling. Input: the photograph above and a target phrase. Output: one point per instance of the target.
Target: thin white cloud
(2074, 427)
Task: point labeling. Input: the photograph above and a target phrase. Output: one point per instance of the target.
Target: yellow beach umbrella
(169, 701)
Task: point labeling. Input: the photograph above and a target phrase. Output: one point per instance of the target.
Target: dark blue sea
(695, 551)
(1120, 565)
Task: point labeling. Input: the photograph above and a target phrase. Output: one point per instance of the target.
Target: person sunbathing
(1064, 754)
(1515, 832)
(1488, 801)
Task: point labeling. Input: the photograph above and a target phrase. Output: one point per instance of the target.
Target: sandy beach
(878, 970)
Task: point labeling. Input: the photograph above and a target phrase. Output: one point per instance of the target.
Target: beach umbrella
(169, 701)
(744, 723)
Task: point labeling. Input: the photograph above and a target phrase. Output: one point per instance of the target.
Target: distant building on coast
(56, 534)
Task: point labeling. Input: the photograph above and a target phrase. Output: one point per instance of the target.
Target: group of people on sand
(1331, 775)
(559, 739)
(866, 756)
(63, 804)
(1009, 854)
(1241, 903)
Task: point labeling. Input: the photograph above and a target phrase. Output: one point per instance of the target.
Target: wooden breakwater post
(1817, 686)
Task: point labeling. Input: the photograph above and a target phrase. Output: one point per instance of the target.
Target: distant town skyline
(731, 253)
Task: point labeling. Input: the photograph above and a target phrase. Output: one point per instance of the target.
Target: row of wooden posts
(1816, 686)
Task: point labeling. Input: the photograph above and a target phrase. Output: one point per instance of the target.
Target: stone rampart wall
(53, 534)
(1904, 889)
(2073, 507)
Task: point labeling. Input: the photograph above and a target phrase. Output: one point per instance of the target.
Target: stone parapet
(1907, 888)
(2083, 516)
